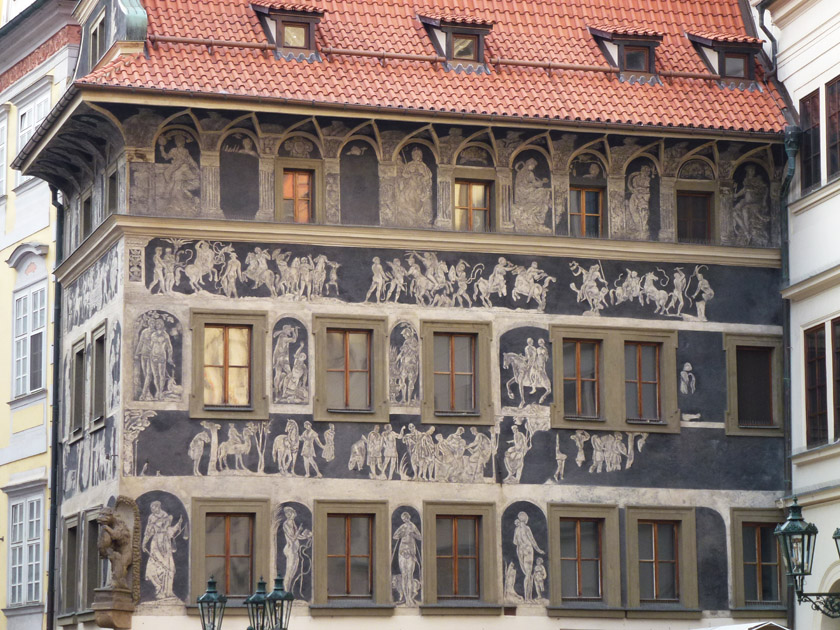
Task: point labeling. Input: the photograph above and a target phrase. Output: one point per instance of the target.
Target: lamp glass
(211, 607)
(256, 606)
(797, 538)
(279, 605)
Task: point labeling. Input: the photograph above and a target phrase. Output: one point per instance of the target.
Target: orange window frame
(579, 380)
(639, 381)
(348, 556)
(226, 365)
(584, 212)
(228, 555)
(760, 563)
(455, 556)
(346, 369)
(301, 204)
(452, 373)
(469, 209)
(656, 560)
(579, 559)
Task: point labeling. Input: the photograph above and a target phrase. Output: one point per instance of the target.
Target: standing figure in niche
(540, 575)
(297, 541)
(750, 218)
(294, 387)
(515, 455)
(154, 356)
(688, 382)
(159, 543)
(408, 540)
(328, 452)
(283, 339)
(181, 176)
(309, 438)
(523, 540)
(414, 189)
(158, 273)
(532, 198)
(638, 206)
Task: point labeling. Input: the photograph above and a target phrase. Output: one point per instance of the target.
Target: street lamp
(256, 607)
(797, 538)
(211, 607)
(279, 604)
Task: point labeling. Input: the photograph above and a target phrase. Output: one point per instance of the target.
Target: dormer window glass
(465, 47)
(295, 35)
(290, 27)
(636, 58)
(459, 39)
(735, 65)
(98, 41)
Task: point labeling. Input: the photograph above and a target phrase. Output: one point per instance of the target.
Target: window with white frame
(25, 549)
(30, 327)
(30, 116)
(3, 149)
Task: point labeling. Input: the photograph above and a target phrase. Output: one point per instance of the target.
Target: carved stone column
(616, 208)
(726, 227)
(332, 196)
(504, 199)
(266, 209)
(667, 211)
(210, 202)
(561, 203)
(388, 212)
(446, 181)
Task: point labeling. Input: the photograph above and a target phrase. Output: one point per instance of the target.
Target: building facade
(38, 47)
(375, 298)
(808, 64)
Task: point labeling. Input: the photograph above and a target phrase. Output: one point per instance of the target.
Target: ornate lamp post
(797, 537)
(211, 607)
(256, 608)
(279, 605)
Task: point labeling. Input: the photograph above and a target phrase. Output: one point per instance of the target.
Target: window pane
(214, 539)
(442, 354)
(335, 390)
(214, 351)
(21, 315)
(289, 185)
(358, 345)
(335, 535)
(464, 393)
(215, 567)
(294, 36)
(464, 48)
(593, 226)
(587, 360)
(635, 59)
(443, 537)
(443, 402)
(589, 539)
(360, 576)
(650, 402)
(360, 535)
(463, 349)
(461, 194)
(239, 347)
(750, 583)
(593, 202)
(570, 398)
(649, 372)
(646, 580)
(769, 583)
(630, 361)
(359, 390)
(645, 541)
(754, 386)
(337, 576)
(467, 583)
(748, 534)
(445, 584)
(568, 539)
(631, 394)
(574, 201)
(466, 537)
(480, 221)
(239, 390)
(769, 546)
(588, 399)
(666, 534)
(569, 578)
(461, 219)
(667, 580)
(240, 535)
(240, 576)
(735, 66)
(36, 361)
(478, 193)
(590, 579)
(214, 385)
(335, 350)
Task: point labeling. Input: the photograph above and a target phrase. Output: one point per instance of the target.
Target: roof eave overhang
(65, 107)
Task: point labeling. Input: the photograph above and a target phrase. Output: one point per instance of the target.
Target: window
(472, 206)
(583, 542)
(581, 378)
(30, 339)
(464, 47)
(299, 190)
(77, 410)
(30, 116)
(297, 196)
(809, 114)
(229, 551)
(736, 65)
(292, 32)
(758, 573)
(661, 557)
(458, 551)
(25, 550)
(295, 35)
(98, 39)
(636, 59)
(754, 368)
(230, 542)
(816, 394)
(228, 365)
(350, 364)
(458, 358)
(87, 216)
(70, 566)
(585, 211)
(112, 192)
(694, 217)
(351, 555)
(3, 151)
(455, 383)
(642, 381)
(348, 369)
(98, 371)
(832, 117)
(835, 342)
(614, 379)
(96, 568)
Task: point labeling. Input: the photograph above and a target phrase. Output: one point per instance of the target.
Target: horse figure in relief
(238, 444)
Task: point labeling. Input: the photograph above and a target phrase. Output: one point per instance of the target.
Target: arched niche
(696, 169)
(531, 210)
(587, 196)
(416, 185)
(475, 155)
(359, 183)
(641, 219)
(239, 176)
(177, 174)
(751, 205)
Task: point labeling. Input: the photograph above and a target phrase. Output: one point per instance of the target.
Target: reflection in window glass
(456, 555)
(229, 552)
(227, 365)
(295, 35)
(454, 370)
(658, 561)
(580, 558)
(348, 369)
(581, 378)
(465, 47)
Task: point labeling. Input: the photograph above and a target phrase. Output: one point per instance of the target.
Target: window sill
(77, 435)
(663, 611)
(67, 619)
(775, 611)
(24, 609)
(96, 425)
(24, 399)
(351, 609)
(578, 609)
(461, 608)
(764, 431)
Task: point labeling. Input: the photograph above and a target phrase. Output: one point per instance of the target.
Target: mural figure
(373, 443)
(159, 542)
(389, 449)
(405, 367)
(407, 549)
(677, 292)
(114, 366)
(358, 452)
(379, 282)
(590, 291)
(414, 189)
(750, 216)
(94, 289)
(238, 445)
(705, 291)
(134, 422)
(328, 452)
(196, 449)
(560, 458)
(284, 450)
(115, 544)
(309, 438)
(628, 289)
(154, 359)
(510, 593)
(580, 438)
(396, 284)
(638, 205)
(296, 550)
(528, 370)
(540, 575)
(291, 370)
(688, 383)
(515, 455)
(231, 273)
(480, 451)
(181, 175)
(495, 284)
(532, 198)
(609, 451)
(528, 285)
(523, 540)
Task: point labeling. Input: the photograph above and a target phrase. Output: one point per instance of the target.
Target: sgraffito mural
(525, 554)
(289, 362)
(406, 556)
(293, 527)
(94, 289)
(164, 546)
(91, 460)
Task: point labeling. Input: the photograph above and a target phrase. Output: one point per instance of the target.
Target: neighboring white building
(809, 66)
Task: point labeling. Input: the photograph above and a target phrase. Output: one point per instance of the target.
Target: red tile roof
(624, 29)
(734, 38)
(456, 18)
(282, 5)
(524, 30)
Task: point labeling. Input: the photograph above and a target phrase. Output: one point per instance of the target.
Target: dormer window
(735, 65)
(630, 49)
(290, 27)
(460, 39)
(730, 56)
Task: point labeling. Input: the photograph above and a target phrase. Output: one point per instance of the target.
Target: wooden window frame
(629, 48)
(226, 365)
(639, 381)
(609, 604)
(378, 328)
(69, 607)
(98, 391)
(311, 20)
(258, 408)
(738, 517)
(483, 414)
(25, 337)
(380, 602)
(346, 370)
(316, 167)
(612, 404)
(471, 36)
(97, 32)
(488, 601)
(488, 193)
(832, 132)
(709, 197)
(285, 23)
(583, 214)
(348, 556)
(451, 31)
(810, 155)
(731, 342)
(686, 551)
(820, 363)
(224, 581)
(452, 373)
(77, 411)
(745, 56)
(656, 561)
(578, 380)
(259, 508)
(112, 189)
(456, 556)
